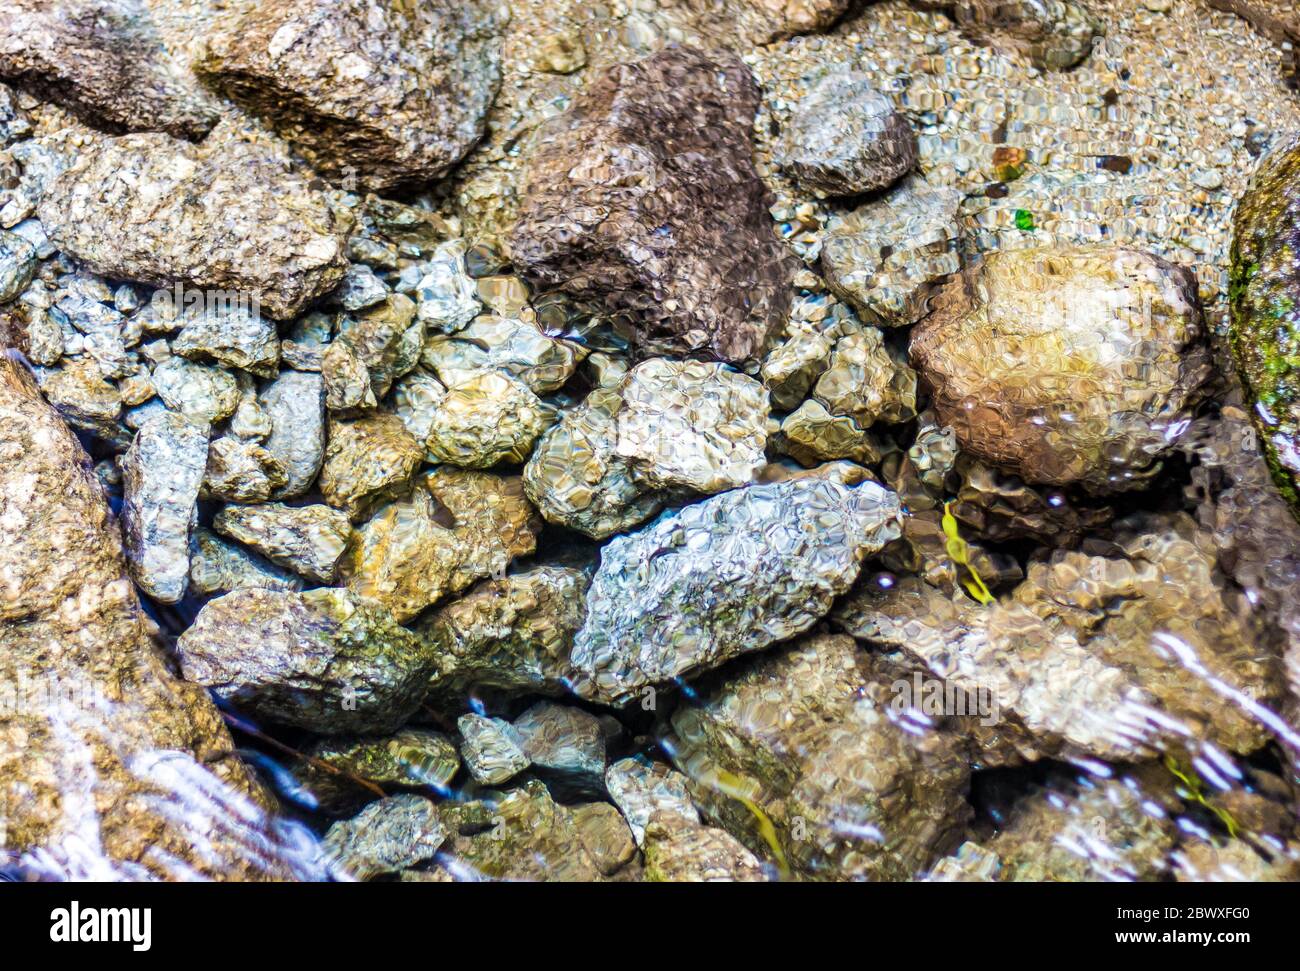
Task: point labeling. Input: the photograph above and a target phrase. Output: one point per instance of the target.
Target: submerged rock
(161, 475)
(516, 347)
(679, 851)
(803, 740)
(692, 425)
(220, 567)
(522, 835)
(1265, 297)
(226, 216)
(642, 790)
(204, 394)
(295, 405)
(565, 745)
(454, 527)
(413, 758)
(886, 256)
(492, 749)
(306, 539)
(846, 138)
(17, 263)
(644, 196)
(386, 94)
(864, 381)
(723, 577)
(240, 471)
(367, 460)
(576, 478)
(235, 336)
(1113, 656)
(513, 634)
(1071, 365)
(487, 419)
(381, 345)
(321, 660)
(106, 61)
(94, 690)
(386, 837)
(1053, 35)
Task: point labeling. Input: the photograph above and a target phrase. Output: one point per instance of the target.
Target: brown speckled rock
(389, 93)
(644, 195)
(104, 60)
(1066, 365)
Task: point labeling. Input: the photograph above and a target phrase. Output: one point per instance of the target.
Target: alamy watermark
(936, 698)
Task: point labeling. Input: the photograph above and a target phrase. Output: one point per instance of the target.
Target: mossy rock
(1264, 293)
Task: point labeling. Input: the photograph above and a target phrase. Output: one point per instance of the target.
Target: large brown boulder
(110, 765)
(644, 197)
(386, 92)
(105, 60)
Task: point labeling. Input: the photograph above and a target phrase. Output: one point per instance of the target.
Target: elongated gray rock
(227, 216)
(295, 404)
(389, 94)
(320, 660)
(161, 475)
(110, 765)
(729, 575)
(106, 61)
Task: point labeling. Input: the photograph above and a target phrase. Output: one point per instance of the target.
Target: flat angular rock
(234, 335)
(220, 567)
(385, 837)
(576, 478)
(72, 628)
(604, 835)
(723, 577)
(644, 196)
(106, 61)
(1101, 666)
(453, 528)
(1066, 365)
(294, 404)
(82, 397)
(447, 296)
(309, 540)
(161, 475)
(201, 393)
(506, 344)
(512, 634)
(376, 348)
(226, 216)
(492, 749)
(367, 460)
(887, 255)
(642, 790)
(565, 744)
(413, 758)
(1054, 35)
(240, 471)
(1265, 326)
(679, 851)
(523, 835)
(385, 94)
(806, 735)
(846, 138)
(487, 419)
(17, 263)
(692, 425)
(320, 660)
(865, 381)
